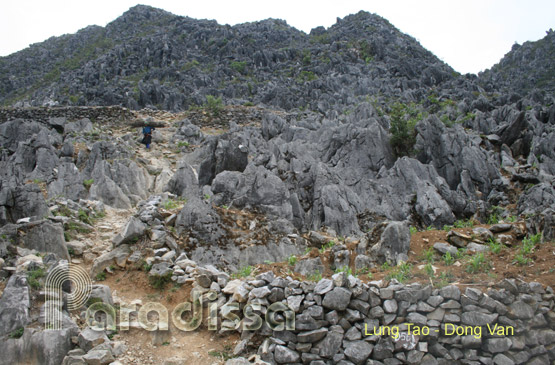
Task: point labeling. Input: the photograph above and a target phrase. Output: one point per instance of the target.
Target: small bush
(326, 246)
(87, 183)
(448, 259)
(315, 277)
(401, 273)
(403, 120)
(494, 246)
(478, 263)
(239, 66)
(101, 276)
(214, 105)
(292, 260)
(84, 217)
(159, 282)
(33, 277)
(461, 223)
(244, 272)
(429, 269)
(413, 230)
(429, 255)
(346, 269)
(17, 333)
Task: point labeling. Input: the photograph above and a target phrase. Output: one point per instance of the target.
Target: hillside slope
(527, 67)
(151, 58)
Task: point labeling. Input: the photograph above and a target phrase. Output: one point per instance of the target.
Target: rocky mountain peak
(526, 67)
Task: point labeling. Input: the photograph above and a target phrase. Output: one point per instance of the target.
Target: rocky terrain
(346, 177)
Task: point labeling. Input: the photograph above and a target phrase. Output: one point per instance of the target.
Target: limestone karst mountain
(347, 176)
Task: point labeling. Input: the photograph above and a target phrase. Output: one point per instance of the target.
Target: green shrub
(101, 276)
(292, 260)
(401, 273)
(494, 246)
(461, 223)
(182, 144)
(448, 259)
(84, 217)
(244, 272)
(478, 263)
(403, 120)
(326, 246)
(159, 282)
(239, 66)
(214, 105)
(429, 255)
(315, 277)
(33, 277)
(87, 183)
(17, 333)
(429, 269)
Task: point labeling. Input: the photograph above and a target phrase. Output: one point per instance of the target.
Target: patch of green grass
(239, 66)
(292, 260)
(87, 183)
(413, 229)
(495, 215)
(84, 217)
(385, 266)
(101, 276)
(429, 255)
(206, 196)
(511, 219)
(461, 253)
(214, 105)
(346, 269)
(159, 282)
(447, 228)
(527, 248)
(478, 263)
(448, 259)
(72, 226)
(315, 277)
(17, 333)
(534, 239)
(402, 272)
(244, 272)
(494, 246)
(461, 223)
(428, 268)
(443, 279)
(173, 204)
(182, 144)
(224, 354)
(33, 277)
(521, 259)
(326, 246)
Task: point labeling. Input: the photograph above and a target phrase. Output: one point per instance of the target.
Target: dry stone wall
(44, 114)
(344, 321)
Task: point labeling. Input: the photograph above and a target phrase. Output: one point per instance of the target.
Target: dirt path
(130, 285)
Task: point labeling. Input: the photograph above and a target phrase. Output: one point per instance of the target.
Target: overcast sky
(470, 35)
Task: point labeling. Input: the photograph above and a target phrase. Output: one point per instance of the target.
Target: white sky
(470, 35)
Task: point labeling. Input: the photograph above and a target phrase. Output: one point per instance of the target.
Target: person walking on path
(147, 133)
